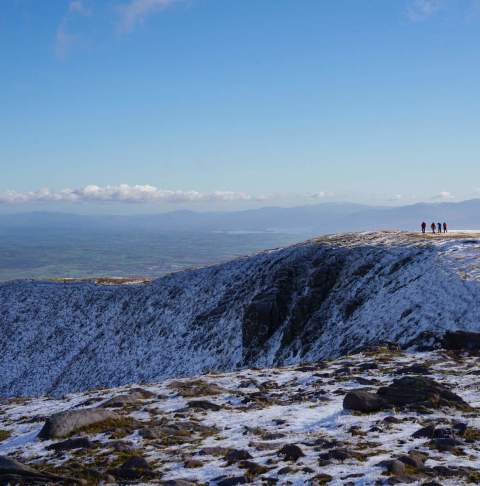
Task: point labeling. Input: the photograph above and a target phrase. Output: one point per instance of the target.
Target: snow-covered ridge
(318, 299)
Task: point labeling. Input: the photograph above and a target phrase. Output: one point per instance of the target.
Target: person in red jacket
(433, 226)
(445, 227)
(424, 227)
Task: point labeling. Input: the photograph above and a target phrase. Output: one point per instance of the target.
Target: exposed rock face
(420, 391)
(363, 401)
(409, 391)
(462, 341)
(63, 424)
(312, 301)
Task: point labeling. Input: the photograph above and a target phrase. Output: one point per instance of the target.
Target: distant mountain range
(315, 219)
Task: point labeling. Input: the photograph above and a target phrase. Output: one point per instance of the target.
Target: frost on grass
(284, 425)
(316, 300)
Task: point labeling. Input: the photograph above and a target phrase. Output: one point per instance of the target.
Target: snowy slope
(318, 299)
(258, 412)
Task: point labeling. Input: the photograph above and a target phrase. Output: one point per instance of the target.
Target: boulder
(14, 472)
(321, 480)
(196, 388)
(176, 432)
(76, 443)
(214, 451)
(203, 405)
(443, 433)
(233, 481)
(416, 391)
(461, 341)
(192, 463)
(363, 401)
(415, 369)
(236, 455)
(291, 452)
(392, 420)
(445, 444)
(120, 446)
(253, 468)
(133, 397)
(369, 365)
(120, 401)
(402, 479)
(63, 424)
(134, 468)
(341, 454)
(393, 466)
(460, 428)
(365, 381)
(414, 459)
(141, 393)
(425, 432)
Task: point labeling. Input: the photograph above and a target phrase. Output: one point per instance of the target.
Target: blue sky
(159, 104)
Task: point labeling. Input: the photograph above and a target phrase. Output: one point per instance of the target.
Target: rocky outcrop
(64, 424)
(14, 472)
(363, 401)
(414, 392)
(462, 341)
(69, 444)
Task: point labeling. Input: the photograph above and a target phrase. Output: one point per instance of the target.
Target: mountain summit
(319, 299)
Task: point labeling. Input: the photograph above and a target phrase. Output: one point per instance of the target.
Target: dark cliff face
(315, 300)
(295, 303)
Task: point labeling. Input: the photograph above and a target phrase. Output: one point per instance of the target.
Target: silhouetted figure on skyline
(433, 226)
(445, 227)
(424, 227)
(439, 226)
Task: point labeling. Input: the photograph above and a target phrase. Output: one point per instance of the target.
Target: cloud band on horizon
(123, 193)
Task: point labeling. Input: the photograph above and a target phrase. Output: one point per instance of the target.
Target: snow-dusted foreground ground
(319, 299)
(232, 428)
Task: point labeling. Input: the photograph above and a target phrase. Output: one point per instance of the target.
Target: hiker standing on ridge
(424, 226)
(445, 227)
(439, 225)
(433, 226)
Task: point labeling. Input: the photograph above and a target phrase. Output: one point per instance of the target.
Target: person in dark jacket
(424, 227)
(439, 226)
(433, 226)
(445, 227)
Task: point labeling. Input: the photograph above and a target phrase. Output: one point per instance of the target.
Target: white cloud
(136, 11)
(445, 195)
(318, 195)
(422, 9)
(123, 193)
(64, 39)
(321, 195)
(79, 7)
